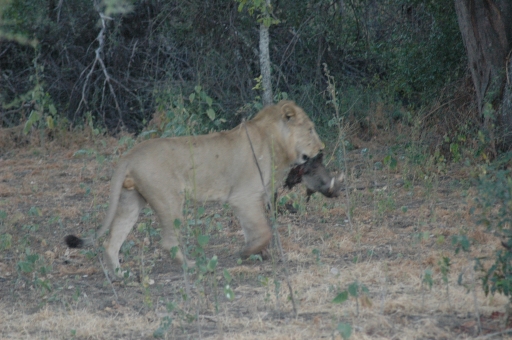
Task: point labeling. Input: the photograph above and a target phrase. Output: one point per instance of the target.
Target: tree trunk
(266, 80)
(507, 104)
(486, 29)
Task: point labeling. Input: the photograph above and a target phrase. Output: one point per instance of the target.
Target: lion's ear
(289, 111)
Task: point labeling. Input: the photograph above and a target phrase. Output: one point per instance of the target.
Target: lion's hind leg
(128, 209)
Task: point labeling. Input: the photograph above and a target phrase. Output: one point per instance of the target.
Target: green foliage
(316, 253)
(34, 211)
(228, 291)
(126, 141)
(498, 278)
(341, 297)
(345, 330)
(444, 266)
(5, 241)
(391, 162)
(495, 203)
(261, 9)
(111, 7)
(427, 278)
(44, 111)
(461, 242)
(30, 227)
(34, 266)
(180, 115)
(355, 290)
(428, 50)
(382, 52)
(495, 194)
(14, 15)
(165, 324)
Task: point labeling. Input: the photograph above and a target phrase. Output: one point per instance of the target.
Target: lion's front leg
(251, 214)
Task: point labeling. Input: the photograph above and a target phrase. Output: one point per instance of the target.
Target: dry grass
(388, 250)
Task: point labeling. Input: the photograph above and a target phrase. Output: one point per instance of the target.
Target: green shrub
(495, 204)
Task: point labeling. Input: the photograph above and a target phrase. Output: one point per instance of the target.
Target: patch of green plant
(355, 290)
(30, 227)
(498, 277)
(165, 324)
(35, 211)
(255, 257)
(126, 142)
(444, 266)
(495, 203)
(427, 278)
(180, 314)
(316, 253)
(33, 269)
(94, 129)
(5, 241)
(385, 203)
(126, 248)
(84, 152)
(76, 294)
(420, 237)
(345, 330)
(462, 243)
(86, 217)
(3, 216)
(184, 115)
(55, 220)
(297, 202)
(44, 113)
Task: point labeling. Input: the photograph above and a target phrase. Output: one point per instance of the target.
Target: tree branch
(98, 59)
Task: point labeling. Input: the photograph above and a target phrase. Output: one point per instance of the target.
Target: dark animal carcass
(316, 178)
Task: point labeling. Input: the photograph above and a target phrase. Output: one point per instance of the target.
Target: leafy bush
(391, 50)
(495, 202)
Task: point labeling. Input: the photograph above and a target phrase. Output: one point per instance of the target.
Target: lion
(235, 167)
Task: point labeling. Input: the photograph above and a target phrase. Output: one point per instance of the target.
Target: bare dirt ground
(401, 228)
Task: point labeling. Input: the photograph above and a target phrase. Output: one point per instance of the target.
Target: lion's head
(291, 129)
(302, 136)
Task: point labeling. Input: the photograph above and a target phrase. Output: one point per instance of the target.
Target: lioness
(220, 166)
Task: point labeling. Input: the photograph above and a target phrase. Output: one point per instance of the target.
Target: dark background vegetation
(399, 53)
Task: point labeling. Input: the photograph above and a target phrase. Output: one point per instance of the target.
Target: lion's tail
(73, 241)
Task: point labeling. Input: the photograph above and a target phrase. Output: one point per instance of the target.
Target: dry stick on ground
(101, 43)
(492, 335)
(274, 228)
(184, 266)
(475, 300)
(384, 291)
(108, 278)
(331, 88)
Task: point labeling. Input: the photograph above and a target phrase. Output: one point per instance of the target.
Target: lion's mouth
(302, 159)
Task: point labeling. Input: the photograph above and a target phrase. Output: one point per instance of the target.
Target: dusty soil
(401, 228)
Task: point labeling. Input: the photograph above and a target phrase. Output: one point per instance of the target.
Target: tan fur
(215, 167)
